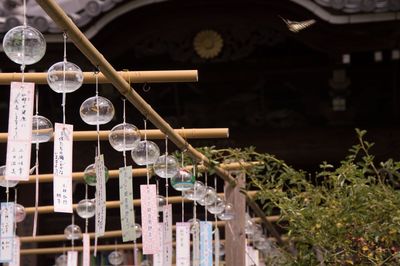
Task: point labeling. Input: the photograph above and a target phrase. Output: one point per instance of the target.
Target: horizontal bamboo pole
(136, 172)
(132, 76)
(59, 250)
(113, 234)
(112, 204)
(188, 133)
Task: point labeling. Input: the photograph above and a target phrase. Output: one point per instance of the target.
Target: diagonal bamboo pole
(55, 12)
(189, 133)
(132, 76)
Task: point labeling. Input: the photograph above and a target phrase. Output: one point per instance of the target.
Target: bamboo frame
(136, 172)
(112, 204)
(130, 76)
(188, 133)
(57, 14)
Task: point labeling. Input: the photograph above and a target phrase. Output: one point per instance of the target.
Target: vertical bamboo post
(235, 244)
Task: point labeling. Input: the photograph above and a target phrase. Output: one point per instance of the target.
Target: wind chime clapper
(133, 76)
(190, 133)
(114, 204)
(137, 172)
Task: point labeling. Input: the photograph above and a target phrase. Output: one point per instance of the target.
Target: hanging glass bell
(124, 137)
(138, 153)
(90, 107)
(184, 180)
(228, 213)
(217, 207)
(209, 197)
(42, 129)
(72, 232)
(196, 193)
(64, 77)
(20, 213)
(89, 175)
(161, 201)
(116, 257)
(86, 208)
(3, 181)
(62, 260)
(24, 45)
(166, 166)
(249, 225)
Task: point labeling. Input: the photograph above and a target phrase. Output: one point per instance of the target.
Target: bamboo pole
(136, 172)
(132, 76)
(59, 250)
(111, 234)
(189, 133)
(112, 204)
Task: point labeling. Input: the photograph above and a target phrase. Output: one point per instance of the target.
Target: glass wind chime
(23, 45)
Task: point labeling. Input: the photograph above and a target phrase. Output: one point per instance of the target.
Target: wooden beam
(188, 133)
(129, 76)
(235, 245)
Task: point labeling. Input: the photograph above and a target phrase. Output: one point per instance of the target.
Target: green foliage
(348, 215)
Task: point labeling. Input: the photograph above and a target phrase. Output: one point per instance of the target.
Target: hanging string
(64, 95)
(124, 123)
(166, 168)
(73, 237)
(182, 201)
(147, 151)
(87, 209)
(205, 205)
(35, 217)
(15, 209)
(24, 13)
(97, 112)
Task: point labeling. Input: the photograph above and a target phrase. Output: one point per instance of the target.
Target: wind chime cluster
(25, 45)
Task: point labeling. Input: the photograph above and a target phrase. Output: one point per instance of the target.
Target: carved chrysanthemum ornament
(208, 44)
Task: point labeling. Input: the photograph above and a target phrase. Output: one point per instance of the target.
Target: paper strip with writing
(86, 250)
(158, 258)
(7, 231)
(196, 244)
(72, 258)
(167, 220)
(150, 237)
(19, 131)
(100, 196)
(182, 244)
(126, 208)
(217, 244)
(16, 252)
(62, 167)
(206, 252)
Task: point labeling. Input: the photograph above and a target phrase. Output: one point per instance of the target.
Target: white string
(35, 217)
(166, 168)
(147, 151)
(205, 206)
(124, 123)
(86, 198)
(64, 96)
(24, 13)
(97, 113)
(73, 237)
(183, 202)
